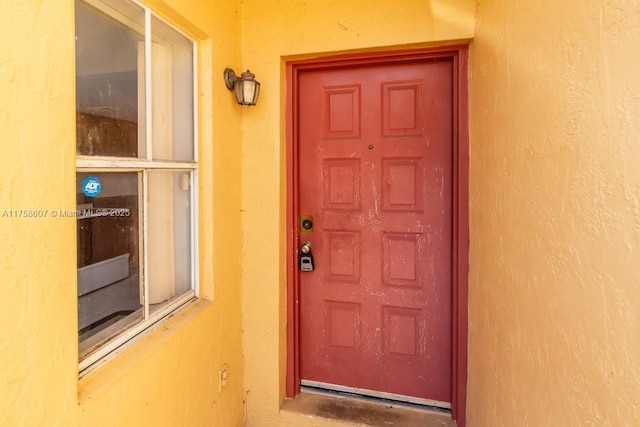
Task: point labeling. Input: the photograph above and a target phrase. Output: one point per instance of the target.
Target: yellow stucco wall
(555, 214)
(272, 32)
(169, 377)
(555, 207)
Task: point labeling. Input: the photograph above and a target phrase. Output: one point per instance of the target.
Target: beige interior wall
(555, 213)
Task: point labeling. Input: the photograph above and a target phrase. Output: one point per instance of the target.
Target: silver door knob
(305, 248)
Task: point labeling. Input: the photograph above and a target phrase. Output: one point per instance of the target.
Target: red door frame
(458, 54)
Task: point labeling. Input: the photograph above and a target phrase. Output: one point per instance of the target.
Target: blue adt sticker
(91, 186)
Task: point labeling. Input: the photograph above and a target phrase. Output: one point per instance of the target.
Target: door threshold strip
(379, 395)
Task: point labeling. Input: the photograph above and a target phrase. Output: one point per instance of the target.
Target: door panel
(375, 162)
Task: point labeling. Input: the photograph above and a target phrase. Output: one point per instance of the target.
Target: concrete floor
(354, 411)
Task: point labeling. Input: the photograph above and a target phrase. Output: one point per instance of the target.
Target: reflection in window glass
(172, 80)
(109, 82)
(169, 237)
(108, 254)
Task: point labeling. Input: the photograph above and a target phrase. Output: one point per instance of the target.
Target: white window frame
(145, 165)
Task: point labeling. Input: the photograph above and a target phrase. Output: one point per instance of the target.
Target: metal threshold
(317, 385)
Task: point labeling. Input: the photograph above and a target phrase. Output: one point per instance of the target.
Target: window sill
(125, 361)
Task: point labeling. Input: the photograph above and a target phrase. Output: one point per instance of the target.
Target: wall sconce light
(245, 87)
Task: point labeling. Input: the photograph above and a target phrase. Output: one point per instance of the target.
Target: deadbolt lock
(306, 224)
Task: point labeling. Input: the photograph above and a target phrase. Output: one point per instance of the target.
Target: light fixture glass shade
(245, 88)
(251, 89)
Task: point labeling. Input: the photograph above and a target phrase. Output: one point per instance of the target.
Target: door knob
(305, 248)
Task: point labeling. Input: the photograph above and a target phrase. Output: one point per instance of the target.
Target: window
(136, 180)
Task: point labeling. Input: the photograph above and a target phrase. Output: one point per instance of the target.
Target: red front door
(376, 175)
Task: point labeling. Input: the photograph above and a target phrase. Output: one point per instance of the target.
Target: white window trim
(143, 165)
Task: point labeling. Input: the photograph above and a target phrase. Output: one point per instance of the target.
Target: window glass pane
(109, 296)
(172, 89)
(169, 235)
(110, 79)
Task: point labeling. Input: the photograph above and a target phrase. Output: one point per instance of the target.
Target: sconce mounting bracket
(229, 78)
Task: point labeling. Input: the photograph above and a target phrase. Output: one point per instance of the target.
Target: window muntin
(135, 78)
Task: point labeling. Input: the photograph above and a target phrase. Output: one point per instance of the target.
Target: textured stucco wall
(271, 33)
(169, 377)
(555, 214)
(38, 349)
